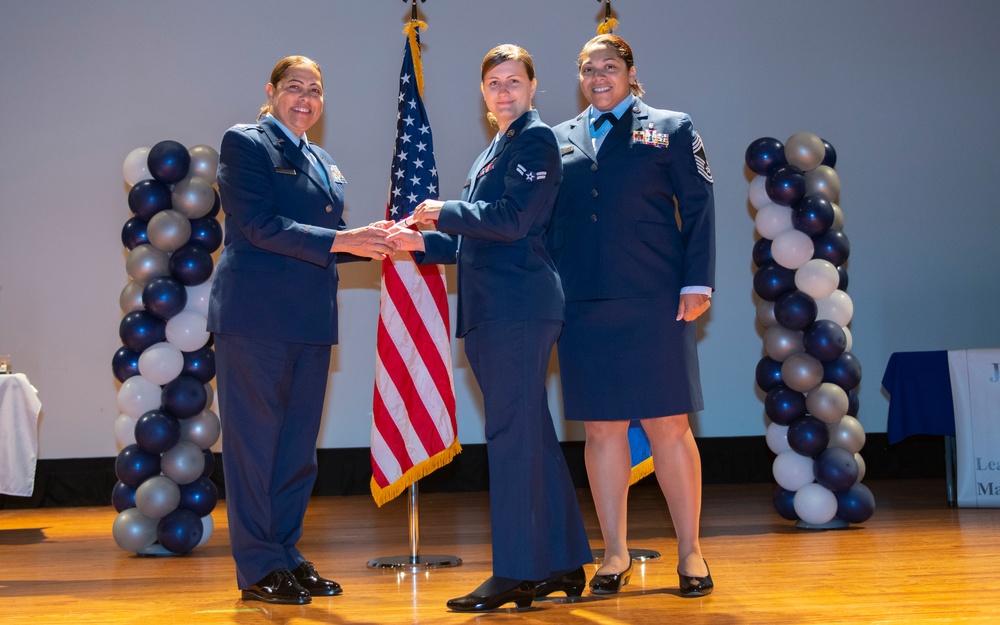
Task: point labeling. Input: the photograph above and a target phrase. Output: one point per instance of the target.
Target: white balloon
(792, 249)
(161, 363)
(758, 192)
(850, 338)
(765, 313)
(207, 525)
(134, 168)
(124, 431)
(777, 438)
(188, 330)
(137, 396)
(837, 307)
(817, 278)
(197, 297)
(773, 219)
(792, 471)
(861, 467)
(815, 504)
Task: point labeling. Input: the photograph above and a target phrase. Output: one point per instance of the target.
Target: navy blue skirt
(624, 359)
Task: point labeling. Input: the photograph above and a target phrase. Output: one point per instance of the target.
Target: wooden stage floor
(915, 561)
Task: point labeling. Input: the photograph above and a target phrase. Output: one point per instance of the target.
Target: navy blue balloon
(191, 264)
(853, 403)
(842, 285)
(139, 329)
(813, 215)
(832, 245)
(207, 233)
(830, 158)
(200, 364)
(765, 154)
(180, 531)
(844, 371)
(216, 206)
(772, 281)
(808, 436)
(122, 497)
(134, 233)
(784, 503)
(768, 373)
(184, 396)
(125, 363)
(856, 504)
(164, 297)
(199, 496)
(785, 185)
(824, 340)
(835, 469)
(168, 162)
(783, 405)
(156, 431)
(795, 310)
(762, 252)
(148, 197)
(134, 465)
(209, 462)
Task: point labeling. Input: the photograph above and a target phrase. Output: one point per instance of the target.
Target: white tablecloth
(975, 387)
(19, 408)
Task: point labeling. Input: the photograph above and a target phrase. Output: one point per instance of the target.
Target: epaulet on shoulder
(248, 126)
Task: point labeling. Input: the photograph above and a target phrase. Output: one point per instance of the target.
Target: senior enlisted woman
(634, 283)
(273, 310)
(510, 312)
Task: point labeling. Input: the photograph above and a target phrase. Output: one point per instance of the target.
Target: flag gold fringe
(417, 471)
(641, 470)
(410, 30)
(607, 26)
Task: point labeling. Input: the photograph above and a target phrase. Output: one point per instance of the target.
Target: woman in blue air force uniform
(634, 284)
(510, 312)
(273, 310)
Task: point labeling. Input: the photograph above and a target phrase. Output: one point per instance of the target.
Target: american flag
(413, 429)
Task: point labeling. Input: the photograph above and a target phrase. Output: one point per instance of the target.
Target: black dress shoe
(278, 586)
(572, 583)
(692, 586)
(307, 577)
(522, 594)
(610, 584)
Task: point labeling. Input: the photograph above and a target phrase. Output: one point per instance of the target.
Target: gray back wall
(906, 91)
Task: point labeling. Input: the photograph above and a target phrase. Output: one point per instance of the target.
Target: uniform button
(593, 218)
(329, 208)
(593, 193)
(593, 167)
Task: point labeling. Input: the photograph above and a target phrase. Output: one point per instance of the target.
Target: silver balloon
(828, 403)
(209, 395)
(183, 463)
(168, 230)
(146, 262)
(861, 467)
(801, 372)
(780, 343)
(203, 429)
(132, 531)
(157, 497)
(838, 218)
(204, 162)
(131, 297)
(805, 151)
(847, 434)
(823, 181)
(193, 197)
(850, 338)
(765, 313)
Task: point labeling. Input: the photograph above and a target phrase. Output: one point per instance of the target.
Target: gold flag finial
(609, 24)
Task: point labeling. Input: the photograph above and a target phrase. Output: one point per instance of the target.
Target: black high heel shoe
(572, 583)
(692, 586)
(610, 584)
(522, 594)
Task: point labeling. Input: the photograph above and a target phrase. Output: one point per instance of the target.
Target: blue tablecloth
(920, 398)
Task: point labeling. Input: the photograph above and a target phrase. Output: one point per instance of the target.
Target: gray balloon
(801, 372)
(131, 297)
(823, 181)
(838, 218)
(780, 343)
(804, 150)
(828, 403)
(203, 429)
(157, 497)
(183, 463)
(193, 197)
(132, 531)
(168, 230)
(204, 162)
(765, 313)
(847, 434)
(146, 262)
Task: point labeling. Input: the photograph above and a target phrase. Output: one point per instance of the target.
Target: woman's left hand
(692, 306)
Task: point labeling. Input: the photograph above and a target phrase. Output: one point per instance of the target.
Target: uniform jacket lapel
(579, 135)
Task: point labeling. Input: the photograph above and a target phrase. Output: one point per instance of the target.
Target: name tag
(282, 170)
(566, 150)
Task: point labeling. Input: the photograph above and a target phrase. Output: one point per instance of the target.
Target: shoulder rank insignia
(700, 160)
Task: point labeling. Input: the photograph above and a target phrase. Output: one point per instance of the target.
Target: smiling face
(297, 99)
(605, 79)
(508, 90)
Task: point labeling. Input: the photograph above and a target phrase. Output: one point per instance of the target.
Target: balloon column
(808, 371)
(166, 429)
